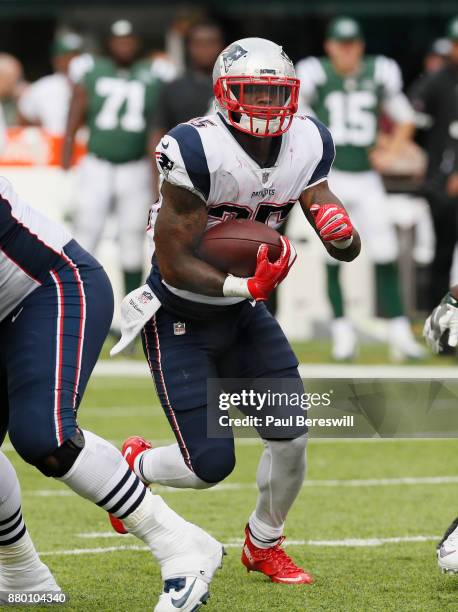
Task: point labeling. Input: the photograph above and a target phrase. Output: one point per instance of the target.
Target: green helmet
(344, 28)
(452, 29)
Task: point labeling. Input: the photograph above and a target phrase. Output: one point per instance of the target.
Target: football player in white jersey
(253, 159)
(441, 331)
(348, 91)
(56, 306)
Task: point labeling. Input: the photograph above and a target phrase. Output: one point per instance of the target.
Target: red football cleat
(117, 524)
(273, 562)
(131, 448)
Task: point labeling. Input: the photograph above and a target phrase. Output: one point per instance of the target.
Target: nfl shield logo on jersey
(179, 329)
(145, 297)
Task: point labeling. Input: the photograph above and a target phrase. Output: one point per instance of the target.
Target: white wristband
(342, 244)
(234, 286)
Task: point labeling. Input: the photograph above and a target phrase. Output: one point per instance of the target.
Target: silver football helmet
(255, 87)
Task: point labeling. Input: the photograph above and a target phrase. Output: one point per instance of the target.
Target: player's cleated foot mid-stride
(273, 562)
(131, 449)
(183, 594)
(187, 576)
(447, 550)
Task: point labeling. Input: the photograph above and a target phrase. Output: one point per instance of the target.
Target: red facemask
(260, 106)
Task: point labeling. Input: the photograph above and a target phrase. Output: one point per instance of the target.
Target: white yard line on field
(238, 486)
(348, 542)
(118, 442)
(139, 369)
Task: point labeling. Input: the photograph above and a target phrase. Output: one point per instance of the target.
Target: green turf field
(319, 351)
(363, 575)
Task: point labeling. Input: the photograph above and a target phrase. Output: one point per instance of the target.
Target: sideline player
(115, 96)
(348, 91)
(252, 159)
(56, 306)
(34, 104)
(440, 331)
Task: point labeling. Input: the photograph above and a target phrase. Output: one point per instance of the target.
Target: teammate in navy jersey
(253, 159)
(56, 306)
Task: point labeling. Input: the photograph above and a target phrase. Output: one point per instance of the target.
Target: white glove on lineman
(443, 318)
(137, 308)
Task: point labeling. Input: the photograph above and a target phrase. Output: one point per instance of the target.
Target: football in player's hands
(232, 246)
(269, 275)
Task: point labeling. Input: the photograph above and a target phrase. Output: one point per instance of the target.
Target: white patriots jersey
(203, 156)
(30, 246)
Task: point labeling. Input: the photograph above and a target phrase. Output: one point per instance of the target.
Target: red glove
(268, 275)
(332, 222)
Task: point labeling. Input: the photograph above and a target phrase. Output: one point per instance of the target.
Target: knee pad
(62, 459)
(214, 464)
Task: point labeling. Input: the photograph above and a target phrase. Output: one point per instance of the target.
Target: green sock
(132, 280)
(388, 290)
(335, 290)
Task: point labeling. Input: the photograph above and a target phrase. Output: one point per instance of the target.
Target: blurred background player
(115, 95)
(347, 91)
(436, 99)
(11, 86)
(45, 103)
(191, 95)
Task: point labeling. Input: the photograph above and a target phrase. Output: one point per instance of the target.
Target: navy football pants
(241, 342)
(49, 346)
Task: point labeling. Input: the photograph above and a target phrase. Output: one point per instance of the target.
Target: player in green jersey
(115, 97)
(347, 91)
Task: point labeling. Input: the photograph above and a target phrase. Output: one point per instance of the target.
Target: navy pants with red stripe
(184, 351)
(49, 346)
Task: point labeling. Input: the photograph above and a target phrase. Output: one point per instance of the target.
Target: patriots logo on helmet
(234, 53)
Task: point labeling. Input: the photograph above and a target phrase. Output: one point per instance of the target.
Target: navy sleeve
(193, 154)
(324, 165)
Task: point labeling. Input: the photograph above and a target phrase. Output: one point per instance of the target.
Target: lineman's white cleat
(185, 594)
(187, 575)
(37, 580)
(447, 553)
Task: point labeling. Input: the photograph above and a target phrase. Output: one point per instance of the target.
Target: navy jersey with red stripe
(30, 247)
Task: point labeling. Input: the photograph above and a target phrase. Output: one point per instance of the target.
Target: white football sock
(102, 475)
(20, 566)
(280, 476)
(181, 548)
(165, 465)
